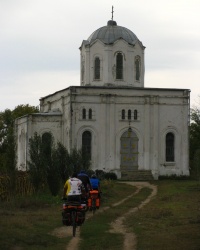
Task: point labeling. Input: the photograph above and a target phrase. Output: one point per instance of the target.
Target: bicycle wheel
(74, 223)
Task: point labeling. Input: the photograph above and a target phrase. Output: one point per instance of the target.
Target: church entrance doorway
(129, 151)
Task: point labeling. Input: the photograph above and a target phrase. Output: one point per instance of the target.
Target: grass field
(170, 221)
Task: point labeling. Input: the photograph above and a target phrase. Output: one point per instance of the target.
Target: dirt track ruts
(117, 226)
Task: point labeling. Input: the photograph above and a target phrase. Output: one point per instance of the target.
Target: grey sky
(40, 40)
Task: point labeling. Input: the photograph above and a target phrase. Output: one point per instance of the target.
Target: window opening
(123, 114)
(170, 147)
(90, 114)
(135, 114)
(129, 114)
(86, 143)
(82, 71)
(137, 68)
(84, 114)
(47, 146)
(119, 66)
(97, 68)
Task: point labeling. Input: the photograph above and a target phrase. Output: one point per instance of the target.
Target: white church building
(126, 128)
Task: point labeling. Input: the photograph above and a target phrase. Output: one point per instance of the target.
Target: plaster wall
(26, 128)
(159, 111)
(155, 119)
(107, 55)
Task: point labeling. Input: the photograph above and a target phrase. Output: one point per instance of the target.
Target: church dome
(111, 33)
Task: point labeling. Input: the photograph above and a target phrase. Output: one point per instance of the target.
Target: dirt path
(130, 241)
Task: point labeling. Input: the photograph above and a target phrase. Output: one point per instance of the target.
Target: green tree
(7, 139)
(75, 160)
(63, 162)
(195, 141)
(43, 164)
(24, 109)
(196, 165)
(53, 174)
(38, 163)
(47, 147)
(53, 164)
(85, 159)
(79, 159)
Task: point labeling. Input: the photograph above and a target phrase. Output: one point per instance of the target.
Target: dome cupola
(111, 33)
(112, 56)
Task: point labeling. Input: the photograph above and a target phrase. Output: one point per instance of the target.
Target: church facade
(125, 127)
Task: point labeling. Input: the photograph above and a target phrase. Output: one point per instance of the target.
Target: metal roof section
(111, 33)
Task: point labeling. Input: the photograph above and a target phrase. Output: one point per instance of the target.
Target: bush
(100, 174)
(110, 176)
(90, 172)
(174, 177)
(196, 165)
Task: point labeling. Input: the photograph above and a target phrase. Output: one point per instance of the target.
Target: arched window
(97, 68)
(47, 146)
(47, 138)
(169, 147)
(129, 114)
(137, 68)
(83, 113)
(123, 114)
(90, 114)
(119, 66)
(87, 143)
(135, 114)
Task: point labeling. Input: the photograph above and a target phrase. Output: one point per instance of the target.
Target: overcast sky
(40, 40)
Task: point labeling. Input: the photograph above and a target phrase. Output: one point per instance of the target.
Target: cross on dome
(112, 12)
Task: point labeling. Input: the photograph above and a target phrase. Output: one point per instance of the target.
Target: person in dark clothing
(85, 180)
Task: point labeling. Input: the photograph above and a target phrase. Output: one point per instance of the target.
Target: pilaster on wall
(108, 77)
(147, 133)
(155, 139)
(108, 128)
(87, 67)
(112, 122)
(151, 133)
(103, 138)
